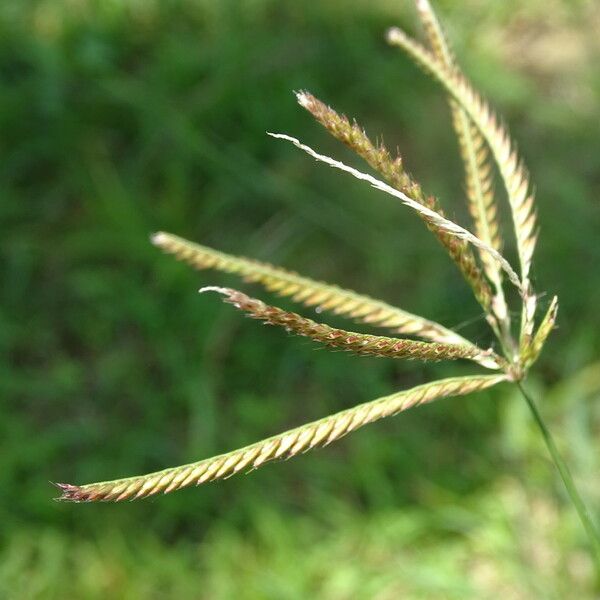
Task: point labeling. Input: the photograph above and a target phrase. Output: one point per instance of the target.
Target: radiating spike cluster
(285, 445)
(392, 170)
(478, 128)
(307, 291)
(510, 165)
(350, 341)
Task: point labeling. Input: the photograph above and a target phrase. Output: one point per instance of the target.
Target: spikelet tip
(303, 98)
(215, 288)
(159, 238)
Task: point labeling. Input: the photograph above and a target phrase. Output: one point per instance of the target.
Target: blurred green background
(119, 118)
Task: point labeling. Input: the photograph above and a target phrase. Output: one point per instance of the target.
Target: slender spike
(392, 170)
(282, 446)
(512, 169)
(533, 350)
(350, 341)
(377, 157)
(474, 151)
(478, 172)
(432, 217)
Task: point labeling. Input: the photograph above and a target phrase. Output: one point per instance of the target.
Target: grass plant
(500, 288)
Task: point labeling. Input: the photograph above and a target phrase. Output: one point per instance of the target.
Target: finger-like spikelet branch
(509, 163)
(392, 170)
(377, 157)
(478, 173)
(474, 151)
(308, 291)
(432, 217)
(479, 187)
(358, 343)
(285, 445)
(532, 352)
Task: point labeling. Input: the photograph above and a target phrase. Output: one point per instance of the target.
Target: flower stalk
(567, 478)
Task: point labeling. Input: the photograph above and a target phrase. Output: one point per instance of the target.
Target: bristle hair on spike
(303, 99)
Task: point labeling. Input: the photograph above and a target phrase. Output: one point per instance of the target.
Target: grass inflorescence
(485, 146)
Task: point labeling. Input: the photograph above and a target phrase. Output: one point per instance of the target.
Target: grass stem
(563, 469)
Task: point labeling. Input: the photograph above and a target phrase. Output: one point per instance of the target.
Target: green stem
(565, 474)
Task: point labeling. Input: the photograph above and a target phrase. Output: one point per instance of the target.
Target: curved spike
(510, 165)
(350, 341)
(432, 217)
(282, 446)
(393, 171)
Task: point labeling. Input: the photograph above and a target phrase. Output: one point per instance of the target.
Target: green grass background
(119, 118)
